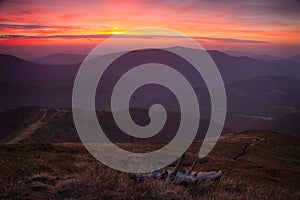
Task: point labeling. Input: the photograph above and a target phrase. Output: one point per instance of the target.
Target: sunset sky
(45, 27)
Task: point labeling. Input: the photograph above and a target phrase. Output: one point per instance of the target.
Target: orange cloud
(219, 23)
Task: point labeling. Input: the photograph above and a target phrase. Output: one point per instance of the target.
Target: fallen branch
(177, 175)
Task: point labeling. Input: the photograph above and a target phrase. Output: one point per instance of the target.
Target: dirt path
(31, 128)
(245, 148)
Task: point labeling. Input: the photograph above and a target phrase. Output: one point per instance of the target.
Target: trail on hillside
(245, 147)
(243, 150)
(32, 127)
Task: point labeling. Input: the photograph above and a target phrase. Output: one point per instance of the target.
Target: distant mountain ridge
(15, 70)
(18, 71)
(296, 58)
(257, 89)
(60, 59)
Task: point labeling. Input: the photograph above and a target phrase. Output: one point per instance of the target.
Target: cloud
(55, 36)
(23, 26)
(219, 24)
(231, 40)
(32, 26)
(222, 40)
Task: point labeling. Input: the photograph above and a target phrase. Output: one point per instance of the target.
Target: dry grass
(45, 171)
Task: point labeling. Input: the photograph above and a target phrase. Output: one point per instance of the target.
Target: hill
(256, 93)
(288, 123)
(61, 59)
(296, 58)
(37, 124)
(256, 165)
(16, 70)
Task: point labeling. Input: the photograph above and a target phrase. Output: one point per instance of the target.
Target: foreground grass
(268, 169)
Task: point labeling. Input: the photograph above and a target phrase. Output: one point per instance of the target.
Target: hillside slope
(256, 165)
(38, 124)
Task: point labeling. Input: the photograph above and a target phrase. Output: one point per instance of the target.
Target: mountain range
(259, 91)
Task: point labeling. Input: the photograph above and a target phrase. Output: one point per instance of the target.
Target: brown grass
(67, 171)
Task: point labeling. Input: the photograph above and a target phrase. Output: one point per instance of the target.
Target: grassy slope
(269, 169)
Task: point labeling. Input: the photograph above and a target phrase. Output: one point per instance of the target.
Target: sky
(36, 28)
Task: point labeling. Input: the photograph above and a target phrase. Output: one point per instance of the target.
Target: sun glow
(116, 30)
(216, 26)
